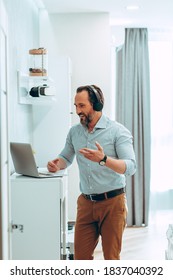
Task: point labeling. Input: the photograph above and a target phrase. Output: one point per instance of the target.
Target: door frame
(4, 136)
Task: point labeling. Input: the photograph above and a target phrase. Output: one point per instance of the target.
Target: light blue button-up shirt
(117, 142)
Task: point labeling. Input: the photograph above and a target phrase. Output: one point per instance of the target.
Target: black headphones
(98, 105)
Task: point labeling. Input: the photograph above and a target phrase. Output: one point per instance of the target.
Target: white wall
(23, 35)
(23, 28)
(85, 38)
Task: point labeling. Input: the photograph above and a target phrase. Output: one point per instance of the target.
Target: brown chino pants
(106, 218)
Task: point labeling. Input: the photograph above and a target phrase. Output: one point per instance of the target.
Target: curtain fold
(133, 110)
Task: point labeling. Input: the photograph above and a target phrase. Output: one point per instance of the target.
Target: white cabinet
(38, 218)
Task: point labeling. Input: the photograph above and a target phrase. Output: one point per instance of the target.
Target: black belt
(103, 196)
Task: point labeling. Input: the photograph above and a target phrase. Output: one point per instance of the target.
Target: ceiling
(151, 13)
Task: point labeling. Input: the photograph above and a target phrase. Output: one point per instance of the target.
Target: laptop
(25, 164)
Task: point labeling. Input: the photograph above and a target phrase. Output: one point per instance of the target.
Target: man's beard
(85, 119)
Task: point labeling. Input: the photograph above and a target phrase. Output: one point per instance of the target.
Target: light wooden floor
(145, 243)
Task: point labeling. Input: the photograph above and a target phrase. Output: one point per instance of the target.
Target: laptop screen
(23, 159)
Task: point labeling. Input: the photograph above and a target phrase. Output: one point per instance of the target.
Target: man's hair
(92, 97)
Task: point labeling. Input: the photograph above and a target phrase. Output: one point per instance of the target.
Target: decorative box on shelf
(35, 90)
(38, 62)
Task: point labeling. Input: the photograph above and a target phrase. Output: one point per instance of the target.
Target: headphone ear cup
(97, 106)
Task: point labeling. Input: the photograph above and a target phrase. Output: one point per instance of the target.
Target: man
(105, 156)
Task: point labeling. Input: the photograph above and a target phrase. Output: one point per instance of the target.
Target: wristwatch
(103, 161)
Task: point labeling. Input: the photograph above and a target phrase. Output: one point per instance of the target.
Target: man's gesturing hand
(94, 155)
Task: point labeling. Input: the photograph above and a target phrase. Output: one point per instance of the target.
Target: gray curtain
(133, 110)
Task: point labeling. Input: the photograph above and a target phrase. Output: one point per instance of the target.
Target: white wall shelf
(29, 100)
(26, 82)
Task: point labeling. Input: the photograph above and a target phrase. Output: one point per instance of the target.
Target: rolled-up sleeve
(125, 151)
(130, 167)
(68, 153)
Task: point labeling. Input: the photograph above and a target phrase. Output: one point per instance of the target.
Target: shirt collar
(101, 122)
